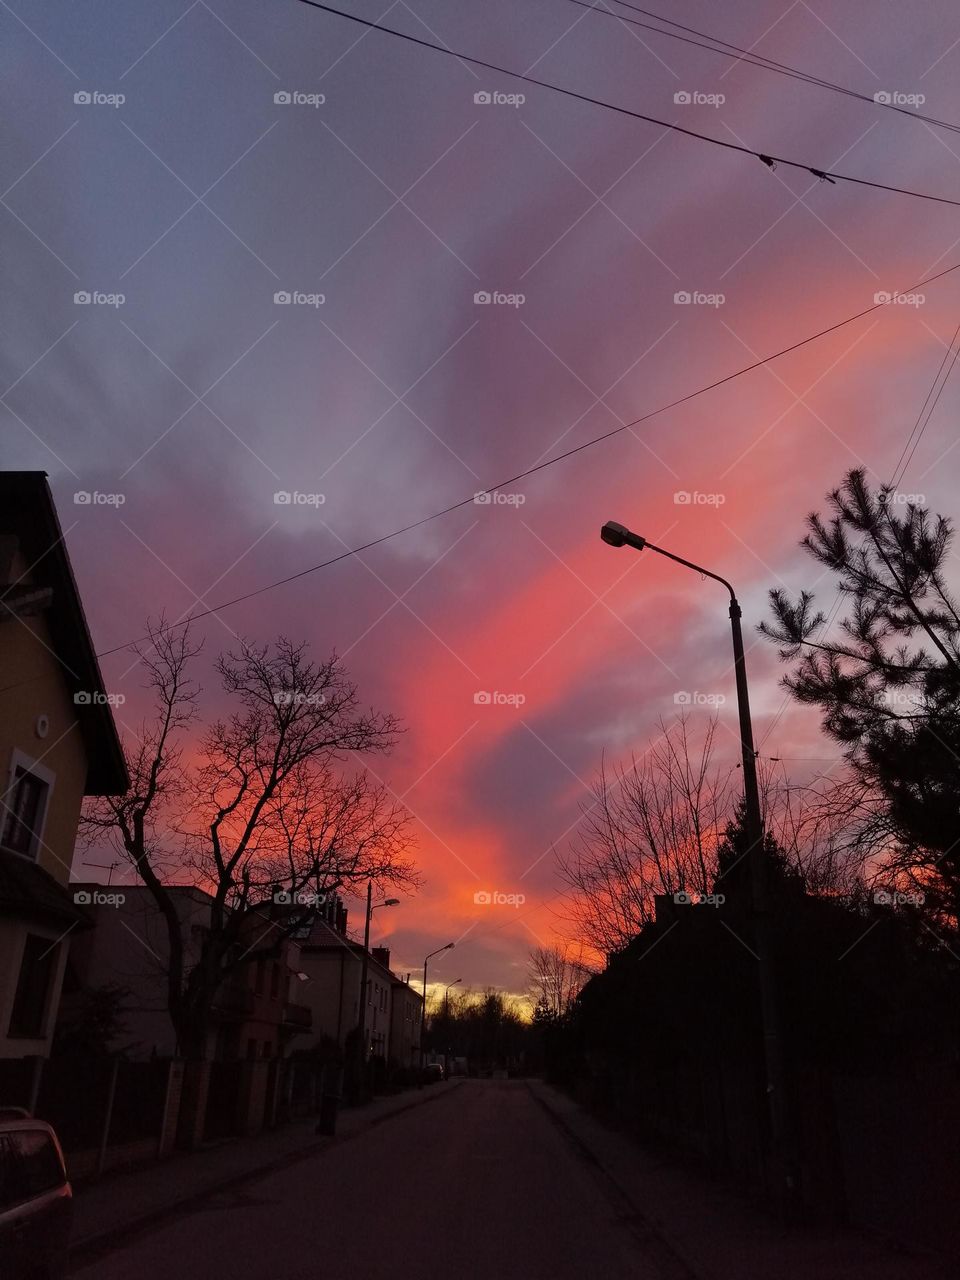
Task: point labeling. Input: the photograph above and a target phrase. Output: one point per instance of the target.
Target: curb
(90, 1248)
(668, 1256)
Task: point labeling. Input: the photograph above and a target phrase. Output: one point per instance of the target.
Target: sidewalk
(117, 1205)
(713, 1234)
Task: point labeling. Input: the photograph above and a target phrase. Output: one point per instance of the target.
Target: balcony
(297, 1017)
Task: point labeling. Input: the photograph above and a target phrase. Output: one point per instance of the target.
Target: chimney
(340, 924)
(381, 955)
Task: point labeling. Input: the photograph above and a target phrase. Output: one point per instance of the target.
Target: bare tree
(264, 805)
(651, 828)
(556, 978)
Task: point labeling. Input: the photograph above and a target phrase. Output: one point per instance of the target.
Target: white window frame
(20, 760)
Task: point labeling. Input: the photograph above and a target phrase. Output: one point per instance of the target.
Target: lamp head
(618, 535)
(392, 902)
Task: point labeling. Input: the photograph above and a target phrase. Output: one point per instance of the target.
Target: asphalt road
(478, 1184)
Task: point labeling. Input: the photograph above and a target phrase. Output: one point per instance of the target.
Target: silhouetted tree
(888, 685)
(651, 828)
(263, 804)
(90, 1020)
(555, 979)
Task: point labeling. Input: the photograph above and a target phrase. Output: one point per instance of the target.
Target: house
(254, 1016)
(332, 963)
(58, 744)
(406, 1008)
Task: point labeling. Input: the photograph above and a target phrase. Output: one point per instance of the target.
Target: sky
(188, 201)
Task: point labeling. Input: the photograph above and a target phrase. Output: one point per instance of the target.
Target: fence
(106, 1112)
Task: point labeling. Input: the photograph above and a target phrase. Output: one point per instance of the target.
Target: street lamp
(618, 535)
(446, 1017)
(362, 1026)
(446, 990)
(423, 1016)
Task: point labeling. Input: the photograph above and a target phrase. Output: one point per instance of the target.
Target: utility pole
(361, 1051)
(364, 967)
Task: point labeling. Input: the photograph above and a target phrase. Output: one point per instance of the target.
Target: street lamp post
(446, 1016)
(364, 963)
(448, 946)
(617, 535)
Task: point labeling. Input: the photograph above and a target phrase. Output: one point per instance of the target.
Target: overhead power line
(771, 161)
(540, 466)
(906, 456)
(738, 54)
(928, 408)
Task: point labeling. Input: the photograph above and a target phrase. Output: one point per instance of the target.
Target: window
(11, 1187)
(261, 973)
(25, 804)
(33, 986)
(251, 1049)
(40, 1167)
(275, 981)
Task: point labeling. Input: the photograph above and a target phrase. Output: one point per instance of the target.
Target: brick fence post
(167, 1137)
(193, 1104)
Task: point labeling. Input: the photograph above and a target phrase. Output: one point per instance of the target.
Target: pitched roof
(27, 512)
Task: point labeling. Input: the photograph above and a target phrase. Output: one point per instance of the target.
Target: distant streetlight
(446, 1018)
(617, 535)
(423, 1016)
(371, 908)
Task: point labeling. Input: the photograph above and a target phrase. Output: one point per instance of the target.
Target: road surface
(476, 1184)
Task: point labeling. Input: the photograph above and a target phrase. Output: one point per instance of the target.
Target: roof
(27, 511)
(324, 938)
(29, 892)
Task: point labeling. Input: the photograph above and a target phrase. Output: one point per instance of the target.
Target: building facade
(58, 744)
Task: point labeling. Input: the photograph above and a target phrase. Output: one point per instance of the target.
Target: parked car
(36, 1205)
(433, 1072)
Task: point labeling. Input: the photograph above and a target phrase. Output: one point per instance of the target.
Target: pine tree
(889, 685)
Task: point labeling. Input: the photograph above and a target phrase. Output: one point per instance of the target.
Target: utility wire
(540, 466)
(923, 418)
(738, 54)
(771, 161)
